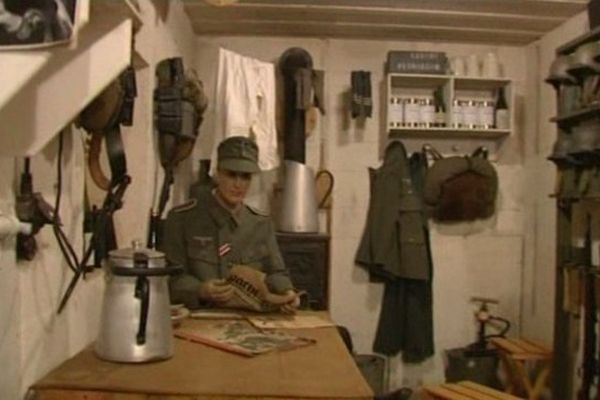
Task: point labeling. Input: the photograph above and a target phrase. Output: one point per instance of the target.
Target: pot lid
(136, 248)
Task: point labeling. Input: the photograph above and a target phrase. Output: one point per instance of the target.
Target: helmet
(561, 151)
(593, 186)
(558, 74)
(586, 60)
(585, 141)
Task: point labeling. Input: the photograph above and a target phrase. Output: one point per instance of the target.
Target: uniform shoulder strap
(185, 206)
(257, 211)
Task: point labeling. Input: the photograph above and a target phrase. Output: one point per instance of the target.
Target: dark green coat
(395, 249)
(206, 240)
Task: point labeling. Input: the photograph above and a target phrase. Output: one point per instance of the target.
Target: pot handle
(142, 292)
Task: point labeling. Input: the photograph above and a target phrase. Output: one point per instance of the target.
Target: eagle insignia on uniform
(188, 205)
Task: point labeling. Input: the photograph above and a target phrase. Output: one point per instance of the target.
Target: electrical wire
(77, 266)
(63, 242)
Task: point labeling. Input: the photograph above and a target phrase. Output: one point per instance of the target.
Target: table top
(322, 370)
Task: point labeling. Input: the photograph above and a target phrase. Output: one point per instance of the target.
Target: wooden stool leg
(540, 382)
(512, 382)
(524, 377)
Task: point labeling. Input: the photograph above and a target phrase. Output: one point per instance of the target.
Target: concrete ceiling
(514, 22)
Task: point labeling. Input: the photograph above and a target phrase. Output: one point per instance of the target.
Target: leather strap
(116, 155)
(94, 166)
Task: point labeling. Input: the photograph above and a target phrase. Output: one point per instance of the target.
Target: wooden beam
(364, 31)
(513, 22)
(549, 8)
(375, 16)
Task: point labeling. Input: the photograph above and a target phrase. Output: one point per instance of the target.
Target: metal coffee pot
(136, 323)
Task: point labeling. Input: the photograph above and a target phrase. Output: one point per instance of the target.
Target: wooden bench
(465, 390)
(516, 354)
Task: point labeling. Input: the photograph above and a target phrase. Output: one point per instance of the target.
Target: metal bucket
(298, 211)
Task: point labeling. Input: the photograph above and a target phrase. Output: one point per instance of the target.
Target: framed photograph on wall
(26, 24)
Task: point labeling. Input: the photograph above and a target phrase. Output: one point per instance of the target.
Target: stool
(515, 353)
(465, 390)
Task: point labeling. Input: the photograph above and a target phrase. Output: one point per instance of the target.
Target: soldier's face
(233, 186)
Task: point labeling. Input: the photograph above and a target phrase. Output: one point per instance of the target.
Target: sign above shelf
(448, 133)
(430, 81)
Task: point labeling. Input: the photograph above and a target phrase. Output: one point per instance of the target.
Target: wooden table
(324, 370)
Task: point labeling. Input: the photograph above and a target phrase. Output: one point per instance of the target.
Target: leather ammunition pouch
(180, 103)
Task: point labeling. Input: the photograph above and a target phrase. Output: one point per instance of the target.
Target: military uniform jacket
(206, 240)
(393, 245)
(395, 249)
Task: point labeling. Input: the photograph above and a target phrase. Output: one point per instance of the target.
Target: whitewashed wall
(489, 263)
(33, 339)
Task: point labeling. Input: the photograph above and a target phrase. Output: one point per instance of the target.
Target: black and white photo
(35, 23)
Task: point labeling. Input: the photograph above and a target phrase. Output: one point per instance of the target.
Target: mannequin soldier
(216, 230)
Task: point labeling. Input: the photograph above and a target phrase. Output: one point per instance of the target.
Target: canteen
(135, 325)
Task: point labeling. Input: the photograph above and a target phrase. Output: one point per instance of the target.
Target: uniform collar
(221, 215)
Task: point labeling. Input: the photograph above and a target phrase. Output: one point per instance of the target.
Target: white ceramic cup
(491, 66)
(473, 66)
(457, 64)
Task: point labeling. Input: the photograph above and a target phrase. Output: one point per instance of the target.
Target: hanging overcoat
(395, 249)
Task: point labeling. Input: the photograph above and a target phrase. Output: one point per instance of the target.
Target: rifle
(589, 331)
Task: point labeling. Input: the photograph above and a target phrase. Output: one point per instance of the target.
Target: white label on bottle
(502, 119)
(457, 115)
(486, 115)
(440, 118)
(412, 112)
(399, 111)
(469, 115)
(392, 112)
(427, 114)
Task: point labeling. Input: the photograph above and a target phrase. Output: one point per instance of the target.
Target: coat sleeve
(183, 287)
(378, 250)
(278, 277)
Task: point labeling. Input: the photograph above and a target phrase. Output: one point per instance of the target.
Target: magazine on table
(241, 337)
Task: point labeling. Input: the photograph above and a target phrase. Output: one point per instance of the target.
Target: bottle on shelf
(440, 109)
(427, 119)
(501, 116)
(486, 114)
(395, 112)
(412, 112)
(457, 113)
(469, 111)
(392, 112)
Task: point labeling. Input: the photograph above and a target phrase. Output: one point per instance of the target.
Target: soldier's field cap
(238, 153)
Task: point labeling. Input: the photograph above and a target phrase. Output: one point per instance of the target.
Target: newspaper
(240, 337)
(298, 321)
